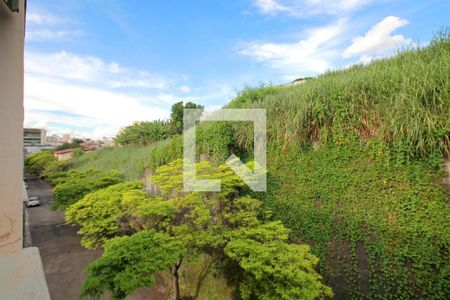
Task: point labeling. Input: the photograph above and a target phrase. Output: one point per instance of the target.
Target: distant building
(64, 154)
(34, 136)
(107, 143)
(67, 138)
(28, 150)
(54, 140)
(34, 140)
(89, 146)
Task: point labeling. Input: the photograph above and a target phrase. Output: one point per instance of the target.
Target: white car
(33, 201)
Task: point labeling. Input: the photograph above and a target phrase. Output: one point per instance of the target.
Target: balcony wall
(21, 273)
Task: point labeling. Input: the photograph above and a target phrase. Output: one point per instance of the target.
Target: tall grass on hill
(129, 161)
(403, 100)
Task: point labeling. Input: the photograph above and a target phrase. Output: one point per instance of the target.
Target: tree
(38, 162)
(57, 169)
(223, 225)
(99, 212)
(176, 116)
(143, 133)
(74, 185)
(130, 262)
(272, 268)
(76, 143)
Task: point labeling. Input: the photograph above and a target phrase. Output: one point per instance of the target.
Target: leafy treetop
(72, 186)
(219, 224)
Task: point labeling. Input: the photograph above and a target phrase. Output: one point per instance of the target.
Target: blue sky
(92, 67)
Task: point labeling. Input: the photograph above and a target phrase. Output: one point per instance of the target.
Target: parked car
(33, 201)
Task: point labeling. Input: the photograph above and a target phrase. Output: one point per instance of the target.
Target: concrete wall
(12, 27)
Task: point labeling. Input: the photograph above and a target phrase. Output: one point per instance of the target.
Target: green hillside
(355, 170)
(128, 160)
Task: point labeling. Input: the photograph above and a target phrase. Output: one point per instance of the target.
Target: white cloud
(90, 70)
(185, 89)
(41, 17)
(302, 8)
(378, 40)
(76, 91)
(43, 25)
(313, 54)
(47, 34)
(269, 6)
(81, 106)
(65, 92)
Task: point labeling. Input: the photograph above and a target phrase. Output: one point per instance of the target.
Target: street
(63, 257)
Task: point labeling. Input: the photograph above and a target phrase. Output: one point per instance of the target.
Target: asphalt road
(63, 258)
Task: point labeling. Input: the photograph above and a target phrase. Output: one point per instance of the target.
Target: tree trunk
(176, 280)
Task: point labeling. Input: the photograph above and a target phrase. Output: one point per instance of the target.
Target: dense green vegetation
(180, 227)
(403, 101)
(129, 161)
(354, 170)
(38, 162)
(355, 160)
(99, 213)
(145, 133)
(380, 228)
(76, 143)
(129, 263)
(176, 116)
(74, 185)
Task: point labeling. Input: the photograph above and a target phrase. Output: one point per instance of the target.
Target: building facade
(34, 136)
(21, 273)
(64, 154)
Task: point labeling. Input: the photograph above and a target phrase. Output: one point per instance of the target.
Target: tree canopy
(38, 162)
(143, 133)
(176, 115)
(76, 143)
(130, 262)
(225, 225)
(99, 212)
(72, 186)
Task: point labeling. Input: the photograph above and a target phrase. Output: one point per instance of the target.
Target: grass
(404, 101)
